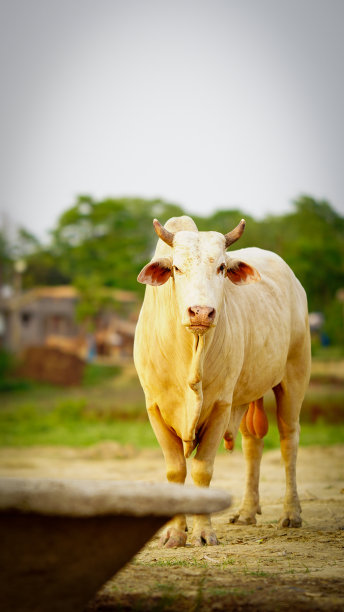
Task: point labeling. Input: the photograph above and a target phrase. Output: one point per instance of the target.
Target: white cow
(215, 333)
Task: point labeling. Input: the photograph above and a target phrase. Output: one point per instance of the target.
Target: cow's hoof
(173, 538)
(241, 519)
(290, 520)
(206, 536)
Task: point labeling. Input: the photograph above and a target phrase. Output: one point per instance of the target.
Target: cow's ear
(156, 272)
(241, 273)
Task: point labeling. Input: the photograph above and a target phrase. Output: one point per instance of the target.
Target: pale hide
(215, 333)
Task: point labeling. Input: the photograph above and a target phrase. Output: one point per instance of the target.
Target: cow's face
(199, 268)
(199, 273)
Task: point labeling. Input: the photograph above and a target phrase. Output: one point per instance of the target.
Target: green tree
(112, 239)
(98, 244)
(6, 259)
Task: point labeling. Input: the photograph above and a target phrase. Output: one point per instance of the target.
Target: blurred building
(47, 316)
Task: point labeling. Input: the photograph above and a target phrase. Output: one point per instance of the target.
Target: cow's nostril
(211, 314)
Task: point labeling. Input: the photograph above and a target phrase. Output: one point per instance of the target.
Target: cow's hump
(179, 224)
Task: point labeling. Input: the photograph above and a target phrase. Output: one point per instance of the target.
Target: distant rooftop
(61, 292)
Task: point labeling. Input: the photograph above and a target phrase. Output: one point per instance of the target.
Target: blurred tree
(106, 243)
(112, 238)
(26, 244)
(311, 240)
(6, 259)
(44, 268)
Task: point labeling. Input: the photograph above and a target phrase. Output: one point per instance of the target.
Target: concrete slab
(61, 540)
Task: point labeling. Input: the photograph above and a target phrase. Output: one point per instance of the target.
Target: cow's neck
(190, 354)
(194, 395)
(204, 366)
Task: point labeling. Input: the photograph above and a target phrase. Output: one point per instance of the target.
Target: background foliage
(105, 243)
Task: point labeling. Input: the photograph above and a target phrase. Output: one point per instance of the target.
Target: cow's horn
(163, 233)
(235, 234)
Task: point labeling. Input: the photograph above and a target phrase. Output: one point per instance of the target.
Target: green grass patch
(96, 374)
(177, 563)
(110, 406)
(318, 434)
(68, 424)
(224, 563)
(327, 353)
(321, 433)
(71, 422)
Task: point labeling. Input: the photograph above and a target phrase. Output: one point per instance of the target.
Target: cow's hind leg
(175, 533)
(289, 398)
(253, 449)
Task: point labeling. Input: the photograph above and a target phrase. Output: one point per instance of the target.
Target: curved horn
(163, 233)
(235, 234)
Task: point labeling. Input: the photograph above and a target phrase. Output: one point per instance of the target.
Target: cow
(216, 332)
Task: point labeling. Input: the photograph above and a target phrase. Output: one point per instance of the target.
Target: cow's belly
(254, 382)
(229, 385)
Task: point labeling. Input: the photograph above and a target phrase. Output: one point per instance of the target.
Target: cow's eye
(221, 268)
(177, 270)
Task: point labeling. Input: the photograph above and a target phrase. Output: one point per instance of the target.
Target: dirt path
(254, 568)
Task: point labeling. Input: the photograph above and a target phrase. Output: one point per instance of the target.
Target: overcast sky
(206, 103)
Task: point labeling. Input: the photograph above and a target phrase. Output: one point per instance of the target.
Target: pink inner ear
(155, 273)
(242, 273)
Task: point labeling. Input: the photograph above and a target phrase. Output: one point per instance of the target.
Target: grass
(198, 563)
(177, 563)
(110, 406)
(327, 353)
(68, 424)
(71, 423)
(319, 433)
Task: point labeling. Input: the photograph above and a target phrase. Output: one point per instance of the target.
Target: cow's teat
(201, 318)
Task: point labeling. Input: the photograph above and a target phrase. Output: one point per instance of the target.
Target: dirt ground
(253, 568)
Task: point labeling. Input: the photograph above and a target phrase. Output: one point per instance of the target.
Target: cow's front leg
(202, 469)
(175, 533)
(253, 449)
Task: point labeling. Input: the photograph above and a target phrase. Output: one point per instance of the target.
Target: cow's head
(198, 266)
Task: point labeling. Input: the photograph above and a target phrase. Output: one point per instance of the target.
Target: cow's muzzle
(201, 319)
